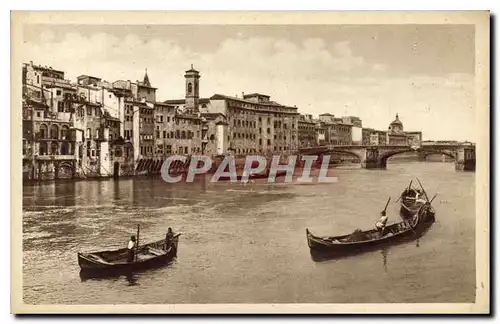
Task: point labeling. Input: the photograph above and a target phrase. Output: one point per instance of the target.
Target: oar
(387, 203)
(425, 193)
(400, 196)
(433, 198)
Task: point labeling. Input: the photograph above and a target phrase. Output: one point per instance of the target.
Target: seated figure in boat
(130, 249)
(168, 238)
(382, 222)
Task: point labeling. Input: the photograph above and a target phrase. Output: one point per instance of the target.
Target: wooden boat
(147, 256)
(411, 200)
(359, 241)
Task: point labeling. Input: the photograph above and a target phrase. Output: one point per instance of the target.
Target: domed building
(397, 136)
(396, 127)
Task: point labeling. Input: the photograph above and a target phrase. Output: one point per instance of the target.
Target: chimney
(242, 95)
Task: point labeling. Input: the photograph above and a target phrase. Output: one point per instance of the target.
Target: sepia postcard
(250, 162)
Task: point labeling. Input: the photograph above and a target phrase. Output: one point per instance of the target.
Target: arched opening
(43, 131)
(54, 131)
(343, 157)
(43, 149)
(416, 156)
(65, 148)
(54, 148)
(64, 132)
(65, 170)
(438, 157)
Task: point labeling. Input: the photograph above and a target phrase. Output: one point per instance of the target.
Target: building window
(268, 142)
(54, 132)
(60, 106)
(269, 130)
(164, 134)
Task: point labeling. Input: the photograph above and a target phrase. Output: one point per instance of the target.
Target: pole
(137, 242)
(387, 204)
(409, 186)
(425, 193)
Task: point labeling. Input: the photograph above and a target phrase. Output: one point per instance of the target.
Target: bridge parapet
(376, 156)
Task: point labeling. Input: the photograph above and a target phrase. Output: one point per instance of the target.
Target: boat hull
(95, 263)
(409, 207)
(333, 246)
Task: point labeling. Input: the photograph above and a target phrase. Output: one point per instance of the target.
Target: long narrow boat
(359, 241)
(149, 255)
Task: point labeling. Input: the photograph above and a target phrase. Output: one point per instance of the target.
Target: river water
(247, 243)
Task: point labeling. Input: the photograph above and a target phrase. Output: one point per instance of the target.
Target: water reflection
(132, 279)
(384, 257)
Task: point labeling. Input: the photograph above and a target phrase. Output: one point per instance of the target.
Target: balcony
(55, 157)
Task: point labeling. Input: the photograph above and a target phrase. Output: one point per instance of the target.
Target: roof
(183, 101)
(327, 114)
(396, 121)
(87, 76)
(255, 94)
(212, 115)
(112, 118)
(267, 103)
(159, 103)
(186, 116)
(192, 69)
(45, 68)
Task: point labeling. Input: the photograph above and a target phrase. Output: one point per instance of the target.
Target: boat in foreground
(149, 255)
(360, 241)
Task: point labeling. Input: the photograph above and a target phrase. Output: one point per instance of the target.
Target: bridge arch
(450, 154)
(343, 152)
(421, 152)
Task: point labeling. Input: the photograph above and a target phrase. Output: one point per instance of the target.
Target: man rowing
(382, 222)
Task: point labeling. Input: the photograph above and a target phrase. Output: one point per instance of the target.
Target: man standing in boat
(168, 238)
(380, 225)
(419, 200)
(130, 249)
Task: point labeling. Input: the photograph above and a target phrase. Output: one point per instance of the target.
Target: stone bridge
(375, 156)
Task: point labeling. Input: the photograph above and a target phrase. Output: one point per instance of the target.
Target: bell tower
(192, 89)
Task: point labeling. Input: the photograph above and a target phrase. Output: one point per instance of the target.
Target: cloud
(316, 76)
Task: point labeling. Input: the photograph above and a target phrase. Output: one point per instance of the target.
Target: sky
(425, 73)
